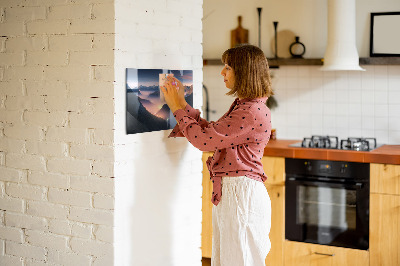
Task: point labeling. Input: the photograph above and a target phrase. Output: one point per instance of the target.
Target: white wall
(158, 180)
(344, 103)
(56, 132)
(305, 18)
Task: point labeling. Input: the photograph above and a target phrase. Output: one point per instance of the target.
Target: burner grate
(358, 144)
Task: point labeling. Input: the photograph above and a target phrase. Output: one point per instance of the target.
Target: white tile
(394, 123)
(304, 72)
(394, 97)
(367, 133)
(342, 96)
(317, 107)
(291, 71)
(315, 71)
(381, 97)
(394, 70)
(354, 83)
(317, 95)
(329, 122)
(329, 94)
(394, 83)
(342, 109)
(355, 96)
(355, 109)
(317, 120)
(329, 109)
(342, 122)
(316, 82)
(368, 122)
(394, 137)
(394, 110)
(342, 133)
(367, 110)
(382, 136)
(367, 83)
(381, 110)
(303, 82)
(292, 83)
(381, 71)
(382, 123)
(367, 96)
(355, 122)
(355, 132)
(381, 84)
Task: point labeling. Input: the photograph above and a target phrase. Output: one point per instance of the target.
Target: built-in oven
(327, 202)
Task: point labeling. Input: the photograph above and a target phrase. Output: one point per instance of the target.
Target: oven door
(327, 213)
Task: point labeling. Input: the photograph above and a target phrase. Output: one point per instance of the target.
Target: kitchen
(314, 103)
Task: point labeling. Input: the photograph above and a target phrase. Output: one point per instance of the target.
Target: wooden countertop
(389, 154)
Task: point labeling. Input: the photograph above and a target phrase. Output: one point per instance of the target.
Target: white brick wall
(156, 177)
(62, 67)
(56, 132)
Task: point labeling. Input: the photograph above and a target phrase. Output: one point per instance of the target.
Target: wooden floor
(206, 261)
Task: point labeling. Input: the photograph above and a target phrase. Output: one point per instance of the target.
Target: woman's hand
(174, 94)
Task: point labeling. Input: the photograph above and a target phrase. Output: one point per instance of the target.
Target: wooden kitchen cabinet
(385, 178)
(305, 254)
(206, 225)
(384, 237)
(274, 168)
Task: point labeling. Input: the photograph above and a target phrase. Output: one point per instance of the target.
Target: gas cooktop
(332, 142)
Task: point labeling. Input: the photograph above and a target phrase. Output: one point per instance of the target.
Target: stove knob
(343, 168)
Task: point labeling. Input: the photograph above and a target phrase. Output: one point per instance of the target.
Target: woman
(242, 208)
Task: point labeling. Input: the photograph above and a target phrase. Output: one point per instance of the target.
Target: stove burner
(328, 142)
(332, 142)
(358, 144)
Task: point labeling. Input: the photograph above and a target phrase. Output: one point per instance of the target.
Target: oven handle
(357, 185)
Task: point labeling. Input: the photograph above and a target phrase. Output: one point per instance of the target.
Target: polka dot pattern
(238, 139)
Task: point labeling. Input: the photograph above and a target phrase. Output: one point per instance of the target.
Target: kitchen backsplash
(314, 102)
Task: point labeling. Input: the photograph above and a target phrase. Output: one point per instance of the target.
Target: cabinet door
(385, 178)
(277, 233)
(304, 254)
(384, 229)
(206, 226)
(274, 168)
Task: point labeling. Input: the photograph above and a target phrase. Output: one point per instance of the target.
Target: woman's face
(229, 76)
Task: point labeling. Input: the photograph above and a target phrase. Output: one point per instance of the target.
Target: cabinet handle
(324, 254)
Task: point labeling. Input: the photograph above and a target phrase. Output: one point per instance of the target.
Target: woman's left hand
(172, 92)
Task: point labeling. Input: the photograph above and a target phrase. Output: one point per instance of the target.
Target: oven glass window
(326, 207)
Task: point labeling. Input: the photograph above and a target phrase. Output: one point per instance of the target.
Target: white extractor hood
(341, 51)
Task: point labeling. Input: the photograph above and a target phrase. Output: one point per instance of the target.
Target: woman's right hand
(181, 90)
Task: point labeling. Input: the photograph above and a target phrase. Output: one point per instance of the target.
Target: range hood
(341, 51)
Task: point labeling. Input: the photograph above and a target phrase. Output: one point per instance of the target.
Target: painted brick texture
(157, 180)
(56, 132)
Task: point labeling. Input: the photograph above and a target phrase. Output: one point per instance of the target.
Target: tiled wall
(313, 102)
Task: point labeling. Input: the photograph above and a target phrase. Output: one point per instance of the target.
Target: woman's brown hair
(250, 66)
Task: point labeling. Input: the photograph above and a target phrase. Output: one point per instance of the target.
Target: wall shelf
(274, 63)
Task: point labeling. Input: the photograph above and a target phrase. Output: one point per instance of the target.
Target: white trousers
(241, 223)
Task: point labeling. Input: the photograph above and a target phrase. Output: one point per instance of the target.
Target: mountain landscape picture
(146, 109)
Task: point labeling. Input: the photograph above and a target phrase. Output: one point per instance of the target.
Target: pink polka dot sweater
(238, 139)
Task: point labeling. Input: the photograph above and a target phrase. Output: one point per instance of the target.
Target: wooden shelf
(380, 61)
(274, 63)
